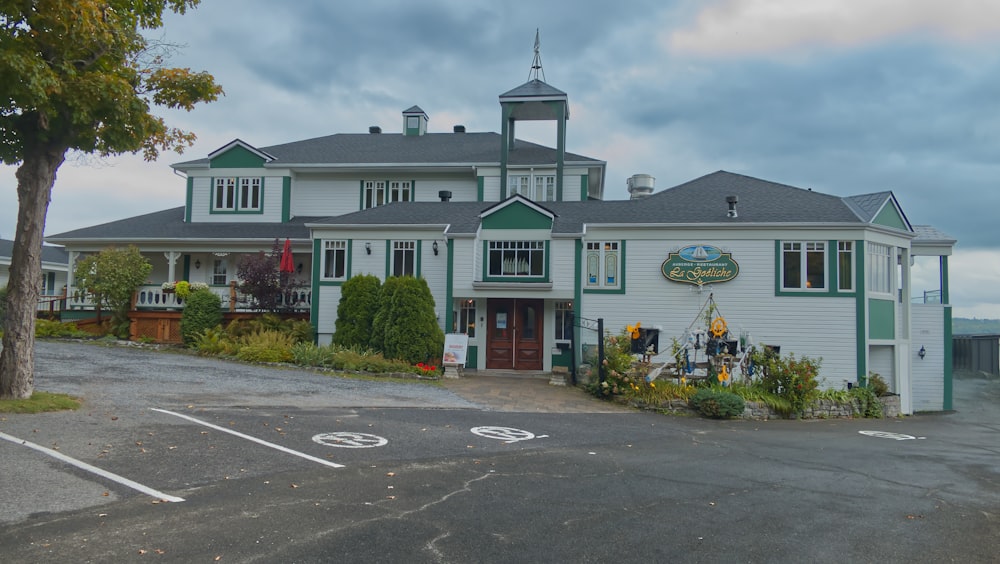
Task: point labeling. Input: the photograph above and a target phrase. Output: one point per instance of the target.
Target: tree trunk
(35, 178)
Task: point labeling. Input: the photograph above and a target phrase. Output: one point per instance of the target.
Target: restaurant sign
(699, 265)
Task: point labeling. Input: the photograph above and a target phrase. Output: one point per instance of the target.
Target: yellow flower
(652, 384)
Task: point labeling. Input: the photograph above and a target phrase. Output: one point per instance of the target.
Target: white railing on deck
(152, 296)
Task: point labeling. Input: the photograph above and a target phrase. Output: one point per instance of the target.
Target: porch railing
(153, 297)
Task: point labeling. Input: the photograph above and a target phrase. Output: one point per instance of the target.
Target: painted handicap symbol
(350, 440)
(505, 434)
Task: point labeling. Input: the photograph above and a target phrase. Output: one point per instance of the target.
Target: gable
(891, 217)
(517, 215)
(237, 156)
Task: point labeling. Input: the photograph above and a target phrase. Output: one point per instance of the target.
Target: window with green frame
(238, 194)
(803, 265)
(516, 259)
(603, 263)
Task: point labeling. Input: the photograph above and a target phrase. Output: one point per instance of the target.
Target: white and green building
(513, 236)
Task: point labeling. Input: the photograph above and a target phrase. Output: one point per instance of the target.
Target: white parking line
(93, 469)
(249, 438)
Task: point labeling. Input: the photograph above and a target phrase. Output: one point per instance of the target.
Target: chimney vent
(445, 195)
(732, 200)
(374, 129)
(459, 129)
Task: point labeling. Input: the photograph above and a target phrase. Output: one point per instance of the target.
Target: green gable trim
(947, 404)
(517, 216)
(945, 293)
(584, 191)
(189, 200)
(890, 217)
(237, 157)
(881, 319)
(286, 199)
(480, 188)
(861, 341)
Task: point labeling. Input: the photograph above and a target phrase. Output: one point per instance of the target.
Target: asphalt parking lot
(289, 465)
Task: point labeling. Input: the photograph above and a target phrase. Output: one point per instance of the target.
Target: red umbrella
(287, 262)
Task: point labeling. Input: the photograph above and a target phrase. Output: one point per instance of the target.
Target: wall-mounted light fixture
(197, 264)
(922, 352)
(299, 268)
(368, 247)
(435, 247)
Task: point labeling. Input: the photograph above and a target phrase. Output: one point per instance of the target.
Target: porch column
(69, 273)
(172, 257)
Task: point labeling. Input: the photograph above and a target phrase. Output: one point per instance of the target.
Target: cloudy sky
(841, 96)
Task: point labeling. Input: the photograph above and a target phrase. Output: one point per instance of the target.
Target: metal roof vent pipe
(640, 186)
(445, 195)
(732, 200)
(374, 129)
(459, 129)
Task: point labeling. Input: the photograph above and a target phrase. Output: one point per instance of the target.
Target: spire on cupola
(536, 64)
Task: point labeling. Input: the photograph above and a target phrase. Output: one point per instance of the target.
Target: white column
(171, 257)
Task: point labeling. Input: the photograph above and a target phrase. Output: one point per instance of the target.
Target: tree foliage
(76, 75)
(411, 330)
(111, 277)
(202, 310)
(356, 311)
(264, 286)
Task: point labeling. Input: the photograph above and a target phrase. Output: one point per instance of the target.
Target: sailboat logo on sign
(700, 264)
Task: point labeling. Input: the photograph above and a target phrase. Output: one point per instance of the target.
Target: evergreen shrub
(359, 302)
(202, 310)
(717, 404)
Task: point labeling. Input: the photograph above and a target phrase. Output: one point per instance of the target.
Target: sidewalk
(527, 395)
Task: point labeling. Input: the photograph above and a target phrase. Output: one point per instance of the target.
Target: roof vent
(732, 200)
(640, 185)
(459, 129)
(374, 129)
(445, 195)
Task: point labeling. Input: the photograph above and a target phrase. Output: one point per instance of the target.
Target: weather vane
(536, 64)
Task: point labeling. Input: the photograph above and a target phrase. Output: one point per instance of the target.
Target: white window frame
(805, 250)
(220, 267)
(465, 318)
(381, 192)
(516, 259)
(404, 258)
(600, 258)
(537, 187)
(879, 267)
(845, 265)
(332, 249)
(562, 311)
(236, 194)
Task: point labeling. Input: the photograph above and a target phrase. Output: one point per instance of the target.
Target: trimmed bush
(359, 302)
(382, 319)
(717, 404)
(202, 310)
(412, 332)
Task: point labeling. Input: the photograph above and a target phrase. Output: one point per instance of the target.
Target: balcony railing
(154, 297)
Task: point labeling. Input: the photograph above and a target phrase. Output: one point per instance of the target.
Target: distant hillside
(964, 326)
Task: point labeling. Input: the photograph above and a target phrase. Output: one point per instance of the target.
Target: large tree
(76, 75)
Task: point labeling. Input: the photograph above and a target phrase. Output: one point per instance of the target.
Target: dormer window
(236, 195)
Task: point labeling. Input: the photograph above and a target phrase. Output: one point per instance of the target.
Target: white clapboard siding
(882, 361)
(324, 195)
(928, 373)
(817, 327)
(201, 200)
(326, 318)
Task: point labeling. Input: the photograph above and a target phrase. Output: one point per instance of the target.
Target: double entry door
(514, 334)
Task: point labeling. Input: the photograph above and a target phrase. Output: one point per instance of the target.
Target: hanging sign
(700, 264)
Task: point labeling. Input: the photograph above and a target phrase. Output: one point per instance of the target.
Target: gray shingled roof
(51, 254)
(396, 149)
(533, 88)
(931, 235)
(867, 206)
(170, 225)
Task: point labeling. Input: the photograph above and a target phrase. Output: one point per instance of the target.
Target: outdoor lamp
(435, 247)
(922, 352)
(299, 268)
(197, 264)
(368, 247)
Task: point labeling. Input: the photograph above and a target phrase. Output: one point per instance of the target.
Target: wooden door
(514, 334)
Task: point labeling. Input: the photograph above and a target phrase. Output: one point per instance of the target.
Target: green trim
(472, 357)
(881, 319)
(621, 275)
(286, 199)
(945, 292)
(388, 259)
(832, 274)
(860, 303)
(578, 300)
(584, 183)
(889, 217)
(947, 401)
(480, 188)
(389, 256)
(361, 194)
(517, 215)
(189, 200)
(187, 267)
(314, 308)
(449, 290)
(237, 157)
(416, 259)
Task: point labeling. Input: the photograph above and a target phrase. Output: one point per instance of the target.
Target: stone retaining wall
(822, 409)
